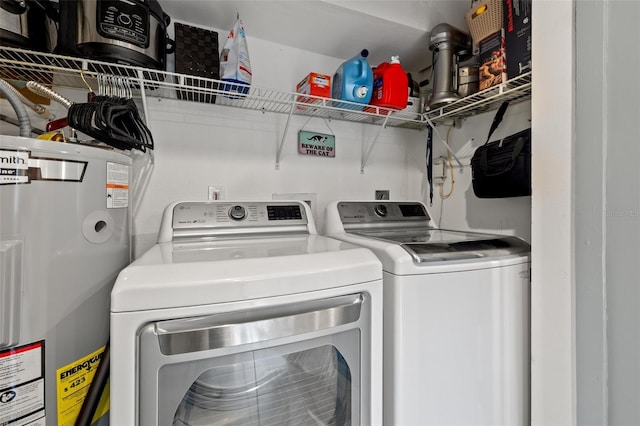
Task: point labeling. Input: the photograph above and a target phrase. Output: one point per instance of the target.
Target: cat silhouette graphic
(317, 138)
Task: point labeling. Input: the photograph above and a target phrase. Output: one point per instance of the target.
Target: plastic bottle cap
(395, 59)
(361, 92)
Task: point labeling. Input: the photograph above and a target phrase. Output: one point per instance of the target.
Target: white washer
(242, 314)
(456, 304)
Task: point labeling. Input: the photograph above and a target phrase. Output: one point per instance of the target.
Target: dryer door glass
(307, 387)
(292, 364)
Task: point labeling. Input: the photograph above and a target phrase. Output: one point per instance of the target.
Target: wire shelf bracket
(284, 135)
(365, 156)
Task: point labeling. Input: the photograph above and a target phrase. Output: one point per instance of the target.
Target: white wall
(622, 214)
(553, 393)
(591, 301)
(607, 191)
(212, 145)
(462, 209)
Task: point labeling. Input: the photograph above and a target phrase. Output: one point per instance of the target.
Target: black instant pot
(130, 32)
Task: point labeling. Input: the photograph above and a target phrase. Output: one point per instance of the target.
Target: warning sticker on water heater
(117, 185)
(22, 385)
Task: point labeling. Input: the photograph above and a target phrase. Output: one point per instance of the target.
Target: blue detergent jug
(353, 81)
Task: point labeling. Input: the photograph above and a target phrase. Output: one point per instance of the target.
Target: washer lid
(246, 248)
(436, 245)
(200, 272)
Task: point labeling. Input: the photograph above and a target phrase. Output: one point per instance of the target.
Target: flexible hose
(18, 107)
(41, 110)
(16, 123)
(41, 90)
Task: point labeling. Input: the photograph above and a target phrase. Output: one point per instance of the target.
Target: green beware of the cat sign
(319, 144)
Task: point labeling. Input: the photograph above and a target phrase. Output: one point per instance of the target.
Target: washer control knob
(381, 210)
(237, 213)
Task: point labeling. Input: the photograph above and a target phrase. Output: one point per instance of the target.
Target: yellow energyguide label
(72, 384)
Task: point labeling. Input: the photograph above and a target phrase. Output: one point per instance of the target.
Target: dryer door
(292, 364)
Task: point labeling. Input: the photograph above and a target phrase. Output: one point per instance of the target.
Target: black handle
(430, 162)
(90, 404)
(497, 119)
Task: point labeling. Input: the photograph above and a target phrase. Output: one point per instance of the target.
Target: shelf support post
(143, 96)
(365, 156)
(284, 135)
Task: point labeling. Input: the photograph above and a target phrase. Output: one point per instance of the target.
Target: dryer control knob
(381, 210)
(237, 213)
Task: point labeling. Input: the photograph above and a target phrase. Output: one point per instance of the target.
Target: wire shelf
(515, 90)
(64, 71)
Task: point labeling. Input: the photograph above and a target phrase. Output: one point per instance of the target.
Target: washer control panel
(225, 214)
(380, 211)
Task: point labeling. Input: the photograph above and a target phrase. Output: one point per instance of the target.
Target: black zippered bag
(502, 168)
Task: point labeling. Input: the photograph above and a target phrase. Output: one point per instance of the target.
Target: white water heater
(64, 237)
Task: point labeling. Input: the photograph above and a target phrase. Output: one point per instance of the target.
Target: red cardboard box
(492, 60)
(517, 35)
(316, 85)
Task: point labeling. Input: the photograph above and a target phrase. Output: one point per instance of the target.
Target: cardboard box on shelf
(492, 60)
(517, 28)
(314, 84)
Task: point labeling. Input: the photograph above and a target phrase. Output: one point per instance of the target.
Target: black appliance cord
(430, 163)
(96, 388)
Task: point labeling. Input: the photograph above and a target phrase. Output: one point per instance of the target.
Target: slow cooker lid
(152, 5)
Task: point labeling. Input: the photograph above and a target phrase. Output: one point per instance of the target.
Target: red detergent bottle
(390, 83)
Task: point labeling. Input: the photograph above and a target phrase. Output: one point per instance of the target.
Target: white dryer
(456, 327)
(243, 315)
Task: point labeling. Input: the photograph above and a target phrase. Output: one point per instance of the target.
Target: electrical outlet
(215, 193)
(382, 194)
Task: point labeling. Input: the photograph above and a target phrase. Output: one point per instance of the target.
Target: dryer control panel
(225, 218)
